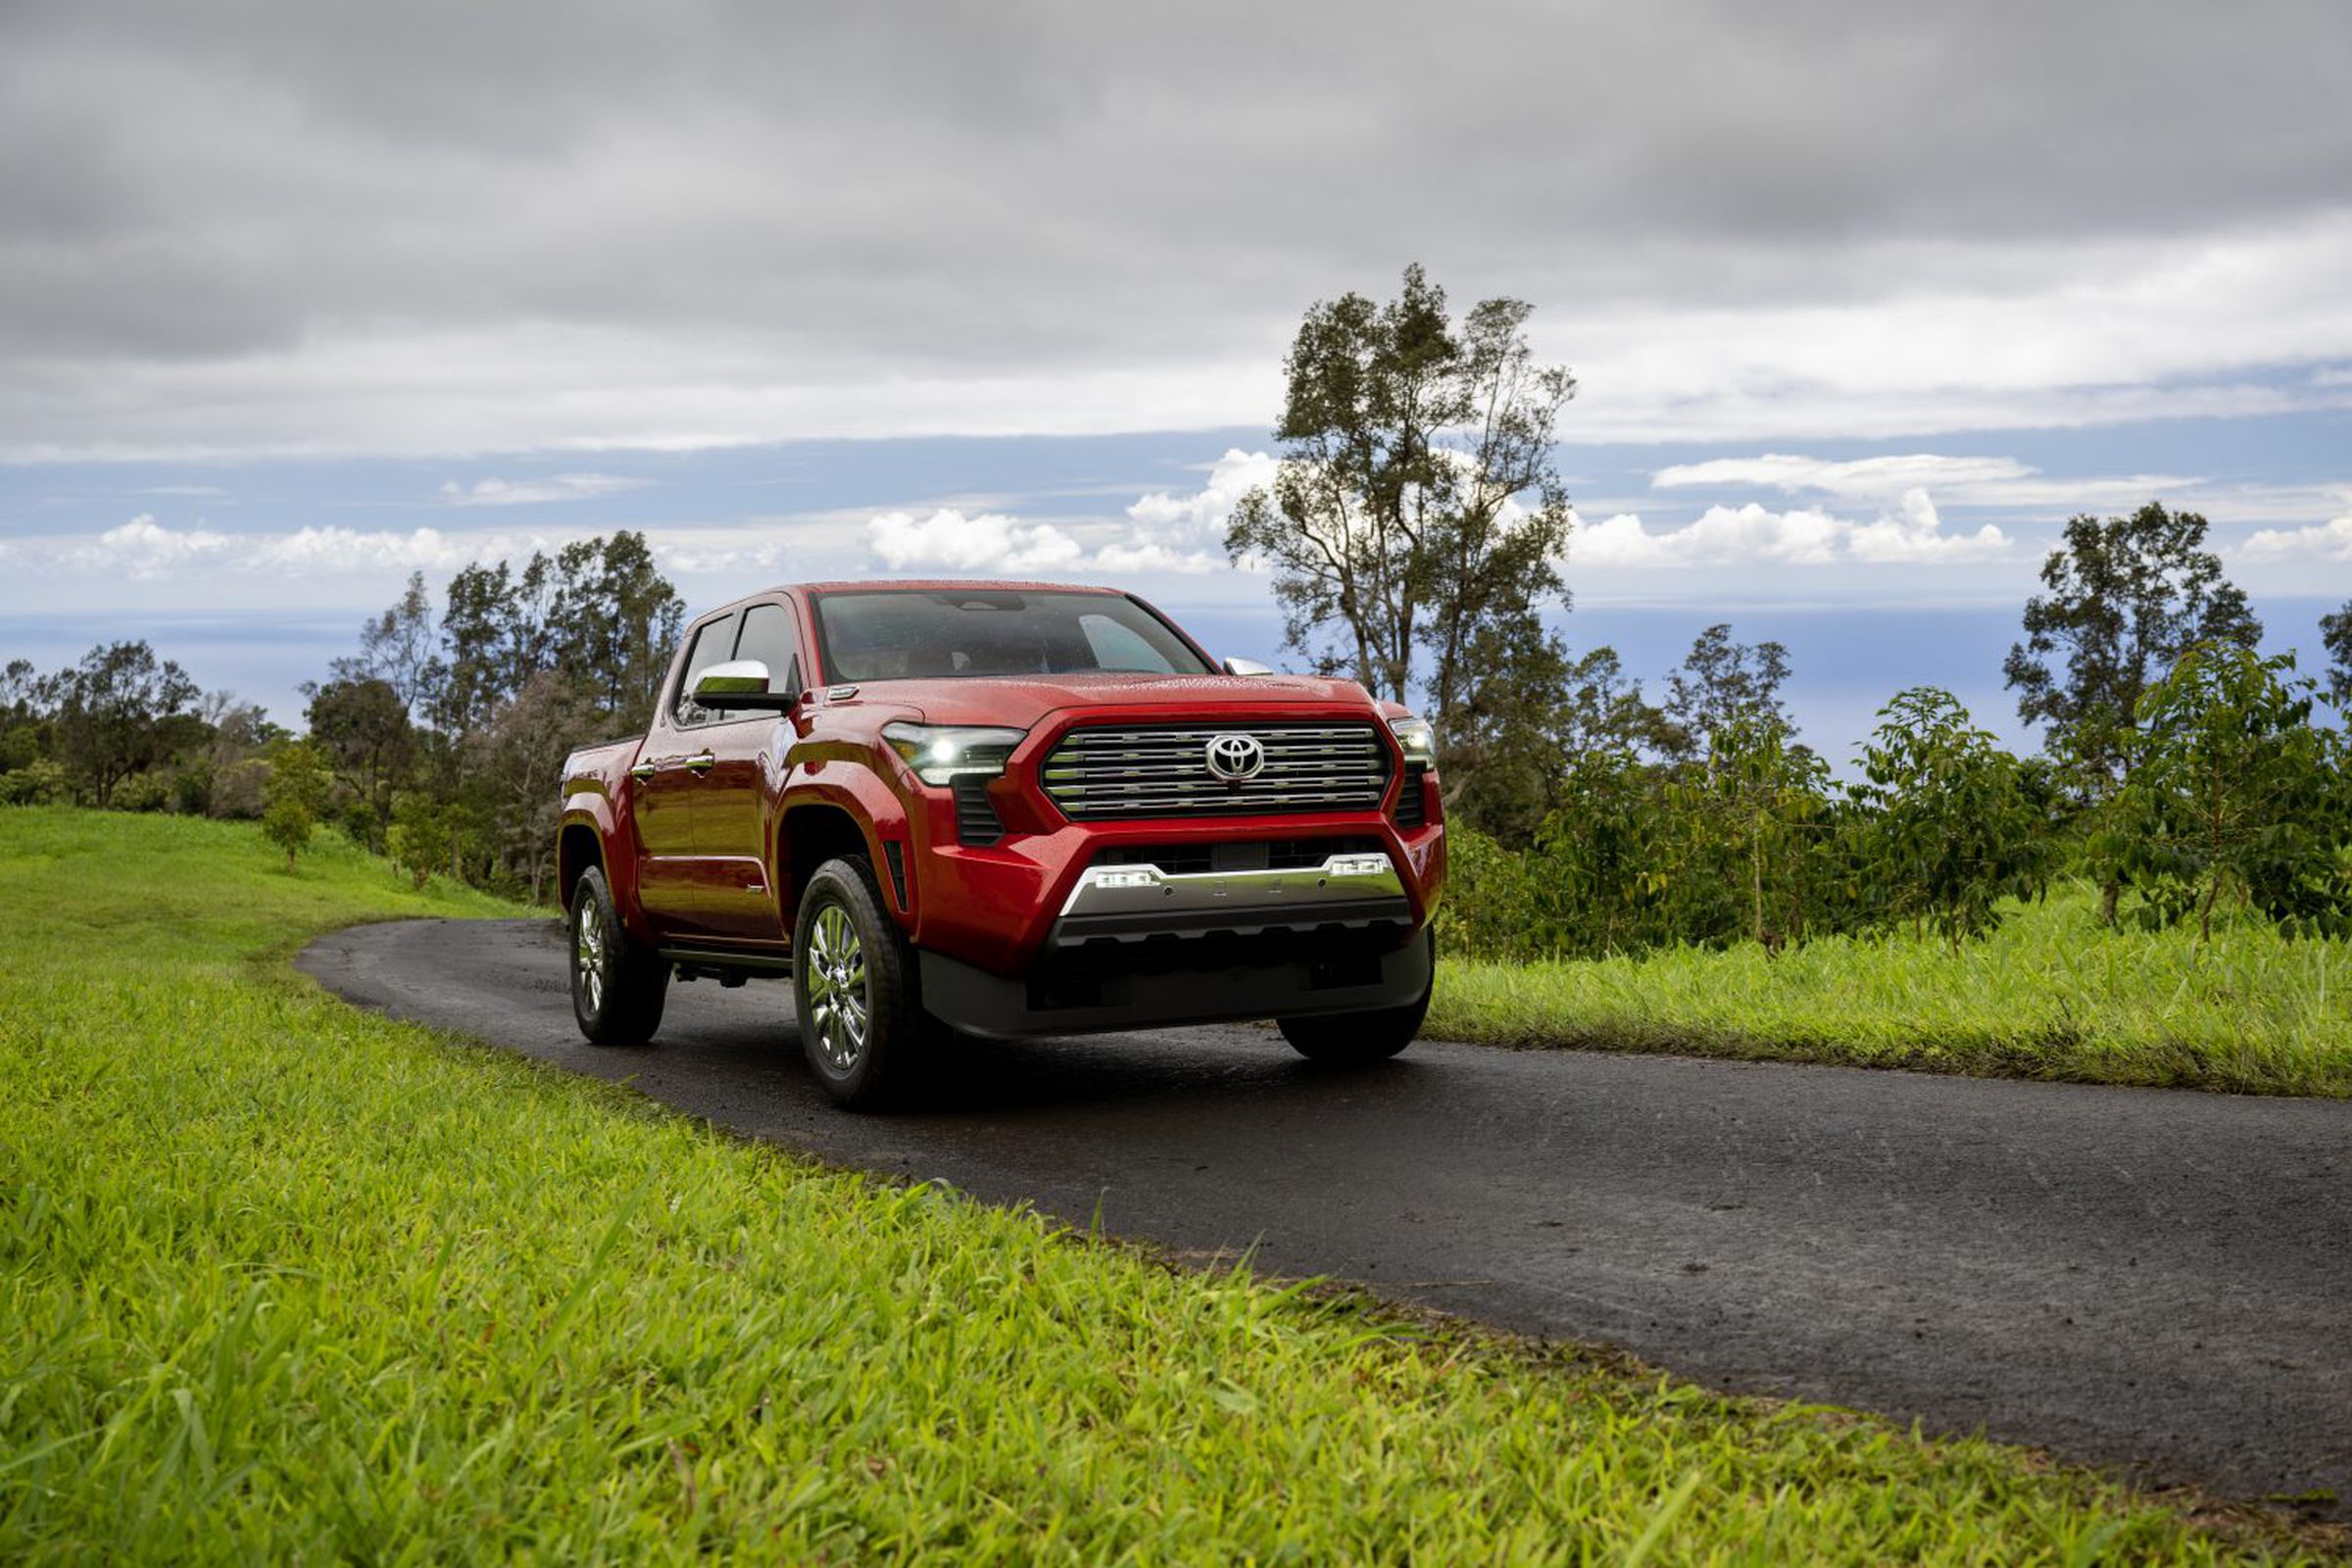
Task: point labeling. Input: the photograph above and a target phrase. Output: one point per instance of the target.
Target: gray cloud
(247, 226)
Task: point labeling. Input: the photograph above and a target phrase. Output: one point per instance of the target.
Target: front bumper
(1126, 903)
(1090, 998)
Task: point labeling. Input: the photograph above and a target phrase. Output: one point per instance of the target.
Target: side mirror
(1246, 666)
(739, 686)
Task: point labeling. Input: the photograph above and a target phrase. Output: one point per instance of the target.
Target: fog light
(1139, 877)
(1356, 866)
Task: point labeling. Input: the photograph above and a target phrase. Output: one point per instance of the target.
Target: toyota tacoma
(943, 809)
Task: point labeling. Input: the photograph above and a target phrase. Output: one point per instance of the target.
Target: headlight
(938, 753)
(1419, 741)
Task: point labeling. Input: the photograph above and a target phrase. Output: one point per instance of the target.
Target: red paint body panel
(988, 905)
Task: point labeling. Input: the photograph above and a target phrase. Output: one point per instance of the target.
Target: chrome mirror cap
(1246, 666)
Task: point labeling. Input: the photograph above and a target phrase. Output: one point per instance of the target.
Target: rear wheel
(617, 982)
(863, 1024)
(1359, 1039)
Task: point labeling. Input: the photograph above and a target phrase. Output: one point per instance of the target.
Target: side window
(714, 644)
(1122, 648)
(771, 636)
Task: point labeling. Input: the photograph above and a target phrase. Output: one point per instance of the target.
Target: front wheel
(1359, 1039)
(618, 983)
(863, 1024)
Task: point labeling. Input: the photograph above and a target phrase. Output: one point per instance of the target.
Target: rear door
(667, 789)
(746, 779)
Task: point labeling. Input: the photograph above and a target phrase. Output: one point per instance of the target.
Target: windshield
(911, 634)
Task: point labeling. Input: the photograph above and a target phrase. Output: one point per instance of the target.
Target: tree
(293, 796)
(362, 727)
(1520, 733)
(2231, 791)
(613, 621)
(1759, 807)
(2124, 598)
(1721, 682)
(2335, 634)
(1416, 508)
(397, 648)
(518, 760)
(122, 709)
(1951, 831)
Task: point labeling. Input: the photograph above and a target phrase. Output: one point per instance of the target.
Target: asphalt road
(2157, 1282)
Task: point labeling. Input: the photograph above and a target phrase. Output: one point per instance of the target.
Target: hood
(1021, 702)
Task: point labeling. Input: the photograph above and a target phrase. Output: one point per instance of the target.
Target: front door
(745, 778)
(666, 789)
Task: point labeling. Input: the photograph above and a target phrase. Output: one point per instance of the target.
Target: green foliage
(2234, 791)
(1718, 683)
(1417, 509)
(420, 834)
(294, 795)
(2051, 992)
(39, 782)
(153, 791)
(2335, 635)
(361, 728)
(282, 1281)
(1951, 831)
(120, 712)
(1756, 817)
(2124, 598)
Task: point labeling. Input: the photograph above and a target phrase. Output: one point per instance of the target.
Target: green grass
(2050, 995)
(280, 1281)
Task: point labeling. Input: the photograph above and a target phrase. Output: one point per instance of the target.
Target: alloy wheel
(840, 1003)
(588, 952)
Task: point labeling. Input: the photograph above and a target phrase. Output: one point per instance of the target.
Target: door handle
(643, 771)
(701, 765)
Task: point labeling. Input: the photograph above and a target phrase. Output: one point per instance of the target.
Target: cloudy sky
(1863, 299)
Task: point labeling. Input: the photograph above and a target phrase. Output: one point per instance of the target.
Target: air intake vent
(976, 819)
(1413, 806)
(1126, 774)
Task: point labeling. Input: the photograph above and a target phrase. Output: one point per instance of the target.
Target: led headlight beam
(941, 753)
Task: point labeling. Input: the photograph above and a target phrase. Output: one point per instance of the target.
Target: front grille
(1255, 855)
(1163, 770)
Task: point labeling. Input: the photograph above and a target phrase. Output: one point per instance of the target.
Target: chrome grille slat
(1136, 772)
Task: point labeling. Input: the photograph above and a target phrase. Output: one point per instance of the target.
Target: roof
(944, 584)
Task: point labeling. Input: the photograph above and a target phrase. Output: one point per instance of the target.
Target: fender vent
(1413, 806)
(896, 854)
(976, 819)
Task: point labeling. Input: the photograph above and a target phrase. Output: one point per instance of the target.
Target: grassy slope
(2051, 995)
(282, 1281)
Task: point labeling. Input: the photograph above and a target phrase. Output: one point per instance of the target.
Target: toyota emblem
(1235, 758)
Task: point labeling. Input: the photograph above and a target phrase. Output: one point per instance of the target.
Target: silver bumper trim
(1147, 890)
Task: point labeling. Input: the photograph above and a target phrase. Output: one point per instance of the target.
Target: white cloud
(950, 541)
(1804, 536)
(335, 549)
(145, 548)
(1867, 478)
(1186, 533)
(497, 492)
(1960, 480)
(2326, 541)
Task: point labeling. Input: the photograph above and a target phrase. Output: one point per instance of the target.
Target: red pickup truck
(996, 808)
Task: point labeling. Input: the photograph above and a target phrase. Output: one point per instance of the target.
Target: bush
(39, 782)
(144, 792)
(2235, 792)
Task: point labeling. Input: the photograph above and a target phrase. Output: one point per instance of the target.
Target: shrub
(39, 782)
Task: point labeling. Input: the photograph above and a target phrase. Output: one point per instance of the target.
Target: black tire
(618, 983)
(850, 963)
(1360, 1039)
